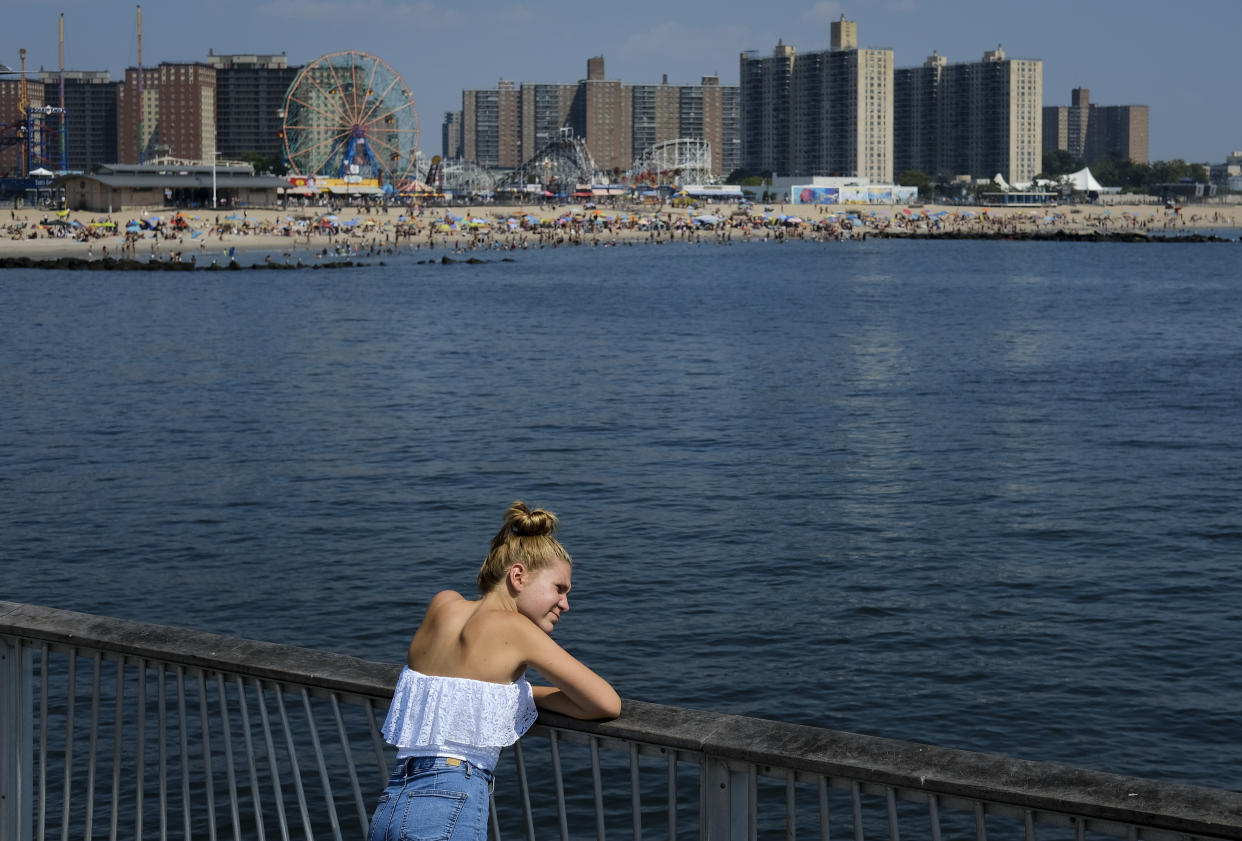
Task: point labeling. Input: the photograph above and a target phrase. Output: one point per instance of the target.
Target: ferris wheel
(350, 114)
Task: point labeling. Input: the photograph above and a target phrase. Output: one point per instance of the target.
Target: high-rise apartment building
(91, 99)
(450, 135)
(618, 121)
(604, 119)
(176, 116)
(766, 84)
(973, 118)
(489, 125)
(828, 112)
(545, 110)
(1093, 132)
(250, 99)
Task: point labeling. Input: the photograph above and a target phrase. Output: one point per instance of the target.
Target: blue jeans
(431, 798)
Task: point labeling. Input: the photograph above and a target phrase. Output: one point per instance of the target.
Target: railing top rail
(1041, 786)
(250, 658)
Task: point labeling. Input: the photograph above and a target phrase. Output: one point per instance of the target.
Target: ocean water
(980, 494)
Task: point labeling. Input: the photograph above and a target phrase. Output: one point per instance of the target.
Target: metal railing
(117, 729)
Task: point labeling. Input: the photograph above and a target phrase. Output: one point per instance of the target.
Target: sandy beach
(318, 233)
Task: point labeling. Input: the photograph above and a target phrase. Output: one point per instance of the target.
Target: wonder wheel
(349, 115)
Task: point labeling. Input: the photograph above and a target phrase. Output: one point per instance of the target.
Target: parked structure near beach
(117, 187)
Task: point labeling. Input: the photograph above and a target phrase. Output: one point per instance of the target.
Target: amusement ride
(350, 118)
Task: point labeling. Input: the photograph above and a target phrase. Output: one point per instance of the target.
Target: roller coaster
(559, 166)
(681, 161)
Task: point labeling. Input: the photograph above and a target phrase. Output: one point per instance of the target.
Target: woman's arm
(576, 691)
(554, 699)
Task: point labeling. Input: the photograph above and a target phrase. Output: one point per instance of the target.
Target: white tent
(1083, 181)
(41, 172)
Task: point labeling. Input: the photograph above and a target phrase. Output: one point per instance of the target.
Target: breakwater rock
(111, 264)
(1050, 236)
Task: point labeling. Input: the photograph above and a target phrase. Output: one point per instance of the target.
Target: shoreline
(321, 236)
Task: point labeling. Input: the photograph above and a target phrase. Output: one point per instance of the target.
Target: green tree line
(1131, 177)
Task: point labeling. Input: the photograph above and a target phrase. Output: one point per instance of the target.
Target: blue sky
(1177, 58)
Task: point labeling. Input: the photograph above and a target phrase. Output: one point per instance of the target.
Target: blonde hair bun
(525, 537)
(523, 522)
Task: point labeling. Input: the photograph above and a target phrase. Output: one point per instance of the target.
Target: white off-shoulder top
(458, 717)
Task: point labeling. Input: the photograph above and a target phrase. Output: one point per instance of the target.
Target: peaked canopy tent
(1083, 181)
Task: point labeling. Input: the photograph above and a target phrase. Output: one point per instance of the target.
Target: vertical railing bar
(116, 750)
(70, 703)
(981, 827)
(1080, 829)
(323, 767)
(598, 785)
(141, 770)
(856, 797)
(162, 728)
(791, 805)
(672, 794)
(493, 819)
(349, 761)
(93, 751)
(248, 742)
(752, 803)
(43, 716)
(377, 742)
(933, 812)
(519, 759)
(182, 723)
(558, 777)
(636, 799)
(230, 772)
(293, 762)
(894, 830)
(272, 762)
(822, 786)
(1028, 818)
(209, 783)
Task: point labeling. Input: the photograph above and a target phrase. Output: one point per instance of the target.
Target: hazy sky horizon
(1170, 57)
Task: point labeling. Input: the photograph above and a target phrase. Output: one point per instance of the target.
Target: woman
(463, 694)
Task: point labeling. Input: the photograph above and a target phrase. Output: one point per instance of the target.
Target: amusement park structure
(349, 116)
(466, 177)
(561, 165)
(681, 161)
(38, 130)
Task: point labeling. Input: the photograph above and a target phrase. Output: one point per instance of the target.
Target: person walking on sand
(463, 694)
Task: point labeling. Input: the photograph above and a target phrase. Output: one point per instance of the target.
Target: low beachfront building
(114, 187)
(823, 189)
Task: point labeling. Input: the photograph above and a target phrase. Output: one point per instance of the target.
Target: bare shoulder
(445, 597)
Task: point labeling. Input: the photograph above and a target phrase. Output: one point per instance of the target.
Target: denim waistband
(414, 764)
